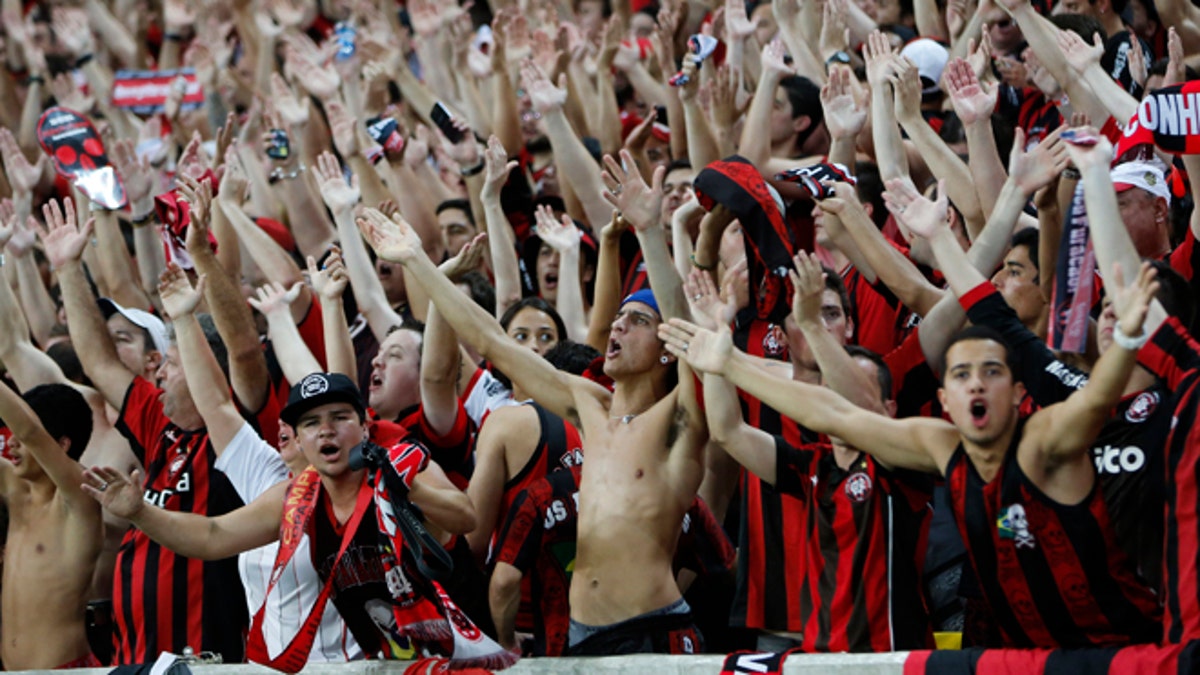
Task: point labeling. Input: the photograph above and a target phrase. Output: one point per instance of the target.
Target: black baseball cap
(317, 390)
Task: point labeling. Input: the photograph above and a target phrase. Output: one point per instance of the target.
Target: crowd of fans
(872, 320)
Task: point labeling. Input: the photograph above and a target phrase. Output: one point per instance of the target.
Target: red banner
(145, 92)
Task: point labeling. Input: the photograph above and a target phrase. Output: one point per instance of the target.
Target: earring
(664, 360)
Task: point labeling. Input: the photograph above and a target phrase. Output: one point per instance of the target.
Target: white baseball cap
(140, 318)
(1144, 175)
(930, 57)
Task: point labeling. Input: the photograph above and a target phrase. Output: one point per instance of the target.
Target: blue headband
(644, 296)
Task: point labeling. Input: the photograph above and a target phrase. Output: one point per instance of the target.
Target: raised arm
(188, 534)
(205, 380)
(1065, 431)
(395, 241)
(1111, 239)
(235, 324)
(330, 283)
(341, 198)
(607, 293)
(64, 243)
(641, 205)
(66, 473)
(838, 370)
(502, 242)
(564, 237)
(292, 354)
(974, 101)
(920, 444)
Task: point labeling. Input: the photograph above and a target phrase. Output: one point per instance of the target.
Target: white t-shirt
(483, 395)
(254, 466)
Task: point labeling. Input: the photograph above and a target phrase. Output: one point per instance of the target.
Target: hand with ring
(118, 493)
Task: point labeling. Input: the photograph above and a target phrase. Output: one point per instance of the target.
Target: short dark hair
(63, 354)
(64, 413)
(1174, 292)
(882, 373)
(869, 188)
(1029, 237)
(834, 282)
(677, 164)
(983, 332)
(415, 326)
(538, 304)
(805, 97)
(1085, 26)
(482, 291)
(459, 204)
(212, 336)
(572, 357)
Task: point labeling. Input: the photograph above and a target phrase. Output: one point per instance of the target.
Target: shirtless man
(644, 440)
(1022, 491)
(55, 531)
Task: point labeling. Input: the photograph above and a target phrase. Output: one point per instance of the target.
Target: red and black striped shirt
(864, 539)
(559, 446)
(1052, 575)
(1174, 355)
(161, 601)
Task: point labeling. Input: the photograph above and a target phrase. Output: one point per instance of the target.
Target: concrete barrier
(799, 664)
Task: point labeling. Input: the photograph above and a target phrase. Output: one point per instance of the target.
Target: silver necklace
(625, 419)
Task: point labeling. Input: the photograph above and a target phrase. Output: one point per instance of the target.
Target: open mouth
(329, 451)
(614, 348)
(551, 281)
(979, 413)
(376, 381)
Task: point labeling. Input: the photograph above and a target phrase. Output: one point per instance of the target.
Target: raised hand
(808, 280)
(738, 25)
(772, 59)
(198, 195)
(542, 93)
(1175, 67)
(234, 181)
(1088, 156)
(339, 196)
(61, 238)
(23, 237)
(294, 110)
(906, 82)
(178, 14)
(912, 210)
(844, 102)
(466, 151)
(559, 235)
(119, 494)
(68, 94)
(1080, 55)
(192, 162)
(1132, 302)
(639, 203)
(71, 28)
(330, 280)
(344, 128)
(834, 34)
(973, 101)
(979, 56)
(274, 298)
(1035, 169)
(135, 172)
(709, 309)
(394, 240)
(8, 221)
(179, 299)
(320, 81)
(22, 176)
(880, 60)
(466, 260)
(704, 350)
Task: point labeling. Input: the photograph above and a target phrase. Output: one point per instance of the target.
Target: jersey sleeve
(794, 468)
(251, 464)
(453, 449)
(142, 421)
(1171, 354)
(1047, 379)
(703, 545)
(484, 394)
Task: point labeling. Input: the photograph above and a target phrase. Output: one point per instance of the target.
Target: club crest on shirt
(1142, 407)
(773, 342)
(858, 487)
(1013, 524)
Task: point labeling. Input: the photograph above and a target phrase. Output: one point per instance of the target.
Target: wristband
(472, 171)
(172, 37)
(1072, 173)
(697, 265)
(35, 79)
(84, 60)
(1131, 343)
